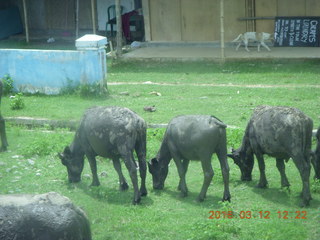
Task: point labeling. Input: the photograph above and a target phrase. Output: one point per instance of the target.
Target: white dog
(260, 37)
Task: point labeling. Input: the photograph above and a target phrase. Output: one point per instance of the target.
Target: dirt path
(218, 85)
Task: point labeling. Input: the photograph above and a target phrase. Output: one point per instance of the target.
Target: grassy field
(228, 91)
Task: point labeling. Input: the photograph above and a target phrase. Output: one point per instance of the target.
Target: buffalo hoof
(246, 179)
(158, 187)
(95, 184)
(183, 194)
(3, 149)
(286, 188)
(304, 203)
(262, 185)
(124, 186)
(226, 198)
(136, 201)
(143, 192)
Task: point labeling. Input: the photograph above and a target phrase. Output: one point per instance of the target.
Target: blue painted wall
(46, 71)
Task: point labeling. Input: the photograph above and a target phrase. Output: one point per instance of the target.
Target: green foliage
(234, 137)
(208, 230)
(7, 85)
(31, 166)
(69, 88)
(46, 144)
(92, 90)
(17, 102)
(163, 214)
(315, 186)
(86, 91)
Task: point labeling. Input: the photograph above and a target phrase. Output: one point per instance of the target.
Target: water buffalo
(316, 156)
(192, 137)
(110, 132)
(282, 133)
(4, 142)
(47, 216)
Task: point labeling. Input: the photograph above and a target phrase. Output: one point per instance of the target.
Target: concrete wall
(47, 71)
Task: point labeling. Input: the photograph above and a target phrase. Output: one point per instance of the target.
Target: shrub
(45, 144)
(92, 90)
(16, 102)
(7, 85)
(69, 88)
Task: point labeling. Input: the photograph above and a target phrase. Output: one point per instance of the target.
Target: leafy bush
(92, 90)
(16, 102)
(45, 144)
(69, 88)
(7, 85)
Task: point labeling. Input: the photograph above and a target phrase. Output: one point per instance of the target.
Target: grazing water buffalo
(282, 133)
(48, 216)
(4, 142)
(192, 137)
(110, 132)
(316, 156)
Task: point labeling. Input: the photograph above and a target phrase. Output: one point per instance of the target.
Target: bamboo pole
(93, 16)
(119, 28)
(222, 30)
(77, 18)
(26, 25)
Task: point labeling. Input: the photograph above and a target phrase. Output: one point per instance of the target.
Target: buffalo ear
(230, 156)
(60, 155)
(152, 165)
(67, 151)
(65, 155)
(154, 161)
(62, 158)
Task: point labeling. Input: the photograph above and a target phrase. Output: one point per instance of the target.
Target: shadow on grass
(210, 201)
(110, 195)
(284, 197)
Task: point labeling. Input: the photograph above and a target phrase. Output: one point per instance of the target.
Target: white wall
(102, 6)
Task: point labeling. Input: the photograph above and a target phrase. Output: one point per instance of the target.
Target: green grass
(234, 90)
(162, 214)
(31, 165)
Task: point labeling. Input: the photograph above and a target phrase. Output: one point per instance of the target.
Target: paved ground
(198, 52)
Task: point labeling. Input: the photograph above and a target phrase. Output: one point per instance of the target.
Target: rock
(47, 216)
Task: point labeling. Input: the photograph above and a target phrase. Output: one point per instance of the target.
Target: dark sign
(297, 32)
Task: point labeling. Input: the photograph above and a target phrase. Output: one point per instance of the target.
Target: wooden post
(146, 18)
(119, 28)
(222, 30)
(93, 16)
(26, 26)
(77, 18)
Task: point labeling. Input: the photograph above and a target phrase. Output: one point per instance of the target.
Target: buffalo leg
(303, 165)
(182, 174)
(263, 183)
(281, 167)
(132, 169)
(4, 143)
(117, 166)
(208, 175)
(141, 154)
(185, 165)
(93, 167)
(225, 174)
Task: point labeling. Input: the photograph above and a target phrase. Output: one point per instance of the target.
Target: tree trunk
(119, 28)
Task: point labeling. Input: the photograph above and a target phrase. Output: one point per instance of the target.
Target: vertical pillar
(95, 43)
